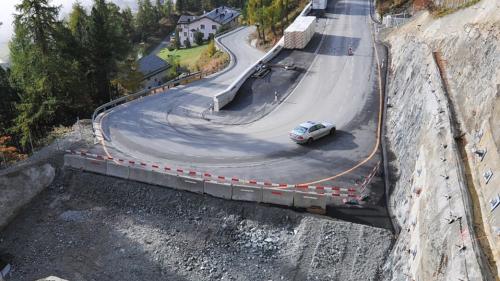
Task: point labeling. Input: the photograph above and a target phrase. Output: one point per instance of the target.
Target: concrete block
(163, 179)
(334, 199)
(96, 166)
(247, 193)
(216, 189)
(308, 200)
(189, 184)
(117, 170)
(139, 173)
(74, 161)
(278, 196)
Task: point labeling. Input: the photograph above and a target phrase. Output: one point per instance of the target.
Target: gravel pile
(92, 227)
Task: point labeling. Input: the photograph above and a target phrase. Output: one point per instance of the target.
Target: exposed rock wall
(430, 198)
(20, 186)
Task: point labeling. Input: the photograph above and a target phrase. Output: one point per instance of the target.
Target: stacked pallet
(299, 33)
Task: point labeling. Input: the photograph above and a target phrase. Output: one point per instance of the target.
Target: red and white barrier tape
(332, 190)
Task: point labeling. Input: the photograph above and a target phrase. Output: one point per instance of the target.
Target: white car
(309, 131)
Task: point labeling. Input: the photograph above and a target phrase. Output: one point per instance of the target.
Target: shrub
(211, 48)
(198, 38)
(177, 41)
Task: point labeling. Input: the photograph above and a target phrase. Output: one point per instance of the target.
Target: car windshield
(300, 130)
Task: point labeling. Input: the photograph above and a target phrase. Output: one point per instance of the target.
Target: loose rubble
(92, 227)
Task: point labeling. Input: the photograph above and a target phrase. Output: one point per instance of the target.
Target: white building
(207, 24)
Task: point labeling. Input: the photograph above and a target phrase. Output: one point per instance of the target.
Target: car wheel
(332, 131)
(310, 140)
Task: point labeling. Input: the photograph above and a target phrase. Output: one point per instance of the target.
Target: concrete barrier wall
(163, 179)
(190, 184)
(226, 96)
(277, 196)
(139, 173)
(117, 170)
(242, 192)
(247, 193)
(96, 166)
(221, 190)
(308, 200)
(74, 161)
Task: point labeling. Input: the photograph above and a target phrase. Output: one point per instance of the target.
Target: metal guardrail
(396, 19)
(166, 85)
(142, 93)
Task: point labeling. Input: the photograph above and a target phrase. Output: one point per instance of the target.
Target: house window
(202, 26)
(214, 27)
(185, 34)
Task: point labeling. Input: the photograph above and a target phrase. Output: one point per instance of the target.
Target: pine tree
(180, 6)
(108, 44)
(33, 58)
(8, 98)
(146, 19)
(169, 8)
(128, 24)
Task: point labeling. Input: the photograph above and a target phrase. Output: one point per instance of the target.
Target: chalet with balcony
(208, 23)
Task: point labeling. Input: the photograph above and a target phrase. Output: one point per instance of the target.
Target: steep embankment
(19, 187)
(442, 91)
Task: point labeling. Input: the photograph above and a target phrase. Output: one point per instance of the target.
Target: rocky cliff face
(442, 88)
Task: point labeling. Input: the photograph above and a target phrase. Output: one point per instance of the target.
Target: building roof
(220, 15)
(186, 19)
(152, 64)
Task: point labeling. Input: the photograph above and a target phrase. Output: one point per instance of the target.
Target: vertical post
(80, 127)
(4, 160)
(31, 143)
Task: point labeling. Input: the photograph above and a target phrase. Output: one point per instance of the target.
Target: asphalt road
(172, 128)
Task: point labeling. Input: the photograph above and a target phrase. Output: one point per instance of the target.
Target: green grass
(186, 57)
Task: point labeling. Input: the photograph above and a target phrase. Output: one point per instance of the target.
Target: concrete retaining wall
(152, 174)
(226, 96)
(20, 185)
(430, 199)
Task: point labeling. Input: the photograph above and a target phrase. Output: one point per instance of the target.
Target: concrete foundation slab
(247, 193)
(216, 189)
